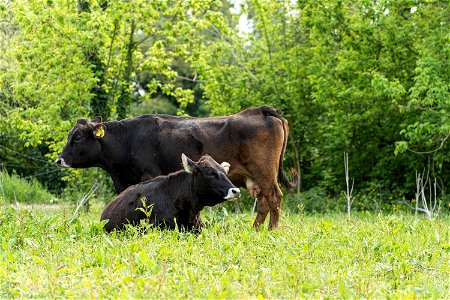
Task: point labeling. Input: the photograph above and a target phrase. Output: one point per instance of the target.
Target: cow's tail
(283, 179)
(281, 176)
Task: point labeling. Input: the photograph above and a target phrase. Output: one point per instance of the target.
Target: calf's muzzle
(233, 193)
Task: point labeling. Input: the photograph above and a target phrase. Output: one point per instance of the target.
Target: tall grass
(321, 256)
(57, 254)
(15, 189)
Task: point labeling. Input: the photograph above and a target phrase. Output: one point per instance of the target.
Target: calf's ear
(226, 166)
(188, 164)
(99, 131)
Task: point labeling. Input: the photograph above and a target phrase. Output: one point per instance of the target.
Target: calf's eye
(212, 174)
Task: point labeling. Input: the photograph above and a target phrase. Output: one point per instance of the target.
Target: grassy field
(45, 253)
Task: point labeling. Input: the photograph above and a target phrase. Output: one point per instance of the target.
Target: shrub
(15, 189)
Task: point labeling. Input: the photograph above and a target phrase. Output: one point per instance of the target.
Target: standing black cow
(137, 149)
(176, 199)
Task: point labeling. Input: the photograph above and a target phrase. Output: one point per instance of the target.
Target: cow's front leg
(195, 221)
(119, 186)
(198, 223)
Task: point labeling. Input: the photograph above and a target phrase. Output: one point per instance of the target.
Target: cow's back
(232, 138)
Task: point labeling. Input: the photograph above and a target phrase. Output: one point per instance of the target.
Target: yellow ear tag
(100, 132)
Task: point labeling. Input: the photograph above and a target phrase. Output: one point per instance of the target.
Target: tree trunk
(124, 100)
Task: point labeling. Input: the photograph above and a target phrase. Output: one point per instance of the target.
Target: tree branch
(222, 38)
(432, 151)
(111, 47)
(191, 80)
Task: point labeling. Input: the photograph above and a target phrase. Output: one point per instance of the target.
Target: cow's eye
(77, 138)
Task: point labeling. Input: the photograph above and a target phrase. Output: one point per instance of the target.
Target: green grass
(16, 189)
(44, 253)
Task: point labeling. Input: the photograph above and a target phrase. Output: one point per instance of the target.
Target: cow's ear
(99, 131)
(226, 166)
(188, 164)
(97, 119)
(82, 121)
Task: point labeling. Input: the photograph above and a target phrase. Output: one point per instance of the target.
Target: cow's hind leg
(270, 202)
(274, 201)
(270, 198)
(262, 211)
(262, 206)
(273, 197)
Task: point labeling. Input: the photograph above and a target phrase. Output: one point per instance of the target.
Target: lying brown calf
(175, 199)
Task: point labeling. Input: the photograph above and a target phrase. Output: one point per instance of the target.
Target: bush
(80, 182)
(15, 189)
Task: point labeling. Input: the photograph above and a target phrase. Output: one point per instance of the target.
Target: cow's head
(211, 180)
(83, 147)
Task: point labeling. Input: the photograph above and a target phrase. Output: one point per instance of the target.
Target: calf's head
(210, 180)
(83, 147)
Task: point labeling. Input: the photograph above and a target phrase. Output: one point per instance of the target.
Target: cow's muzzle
(233, 193)
(61, 163)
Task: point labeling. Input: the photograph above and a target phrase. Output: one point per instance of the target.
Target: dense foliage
(363, 77)
(14, 189)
